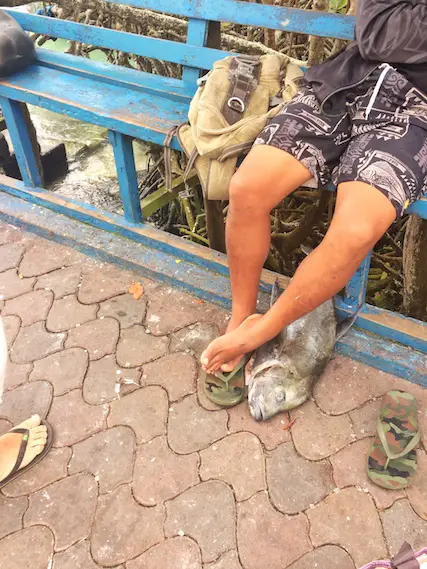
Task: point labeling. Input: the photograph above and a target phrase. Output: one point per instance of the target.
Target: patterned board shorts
(374, 136)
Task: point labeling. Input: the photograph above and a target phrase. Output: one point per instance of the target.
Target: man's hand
(232, 345)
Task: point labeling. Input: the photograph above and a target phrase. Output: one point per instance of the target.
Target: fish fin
(275, 292)
(344, 326)
(306, 250)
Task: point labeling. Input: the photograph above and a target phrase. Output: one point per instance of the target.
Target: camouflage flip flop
(227, 389)
(392, 460)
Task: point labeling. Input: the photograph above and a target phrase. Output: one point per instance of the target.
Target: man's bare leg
(362, 216)
(263, 180)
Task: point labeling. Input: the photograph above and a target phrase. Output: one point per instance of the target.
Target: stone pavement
(158, 478)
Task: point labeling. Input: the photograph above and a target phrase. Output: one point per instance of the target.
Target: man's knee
(356, 236)
(245, 194)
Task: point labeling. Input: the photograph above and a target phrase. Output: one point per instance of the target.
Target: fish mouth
(256, 411)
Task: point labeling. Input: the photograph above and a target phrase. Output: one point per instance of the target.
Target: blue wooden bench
(132, 104)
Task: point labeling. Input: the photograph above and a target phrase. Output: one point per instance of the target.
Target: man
(360, 120)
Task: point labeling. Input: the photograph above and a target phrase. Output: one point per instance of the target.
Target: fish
(282, 373)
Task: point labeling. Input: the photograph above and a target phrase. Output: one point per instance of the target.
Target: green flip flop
(392, 460)
(227, 389)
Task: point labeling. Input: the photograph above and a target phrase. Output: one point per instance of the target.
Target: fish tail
(344, 326)
(275, 292)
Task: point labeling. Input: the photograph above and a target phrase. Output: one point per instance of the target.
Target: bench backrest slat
(253, 14)
(192, 55)
(175, 52)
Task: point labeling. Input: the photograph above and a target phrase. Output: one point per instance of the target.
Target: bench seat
(135, 105)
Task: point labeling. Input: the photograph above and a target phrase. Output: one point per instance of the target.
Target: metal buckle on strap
(236, 104)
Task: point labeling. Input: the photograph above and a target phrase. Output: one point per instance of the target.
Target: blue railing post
(126, 174)
(21, 142)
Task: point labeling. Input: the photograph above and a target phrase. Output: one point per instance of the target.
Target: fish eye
(280, 395)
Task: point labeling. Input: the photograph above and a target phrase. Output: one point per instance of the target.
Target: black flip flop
(16, 471)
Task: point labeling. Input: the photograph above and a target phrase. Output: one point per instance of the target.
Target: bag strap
(405, 559)
(168, 157)
(244, 76)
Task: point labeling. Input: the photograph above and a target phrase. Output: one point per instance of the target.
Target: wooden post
(213, 209)
(415, 268)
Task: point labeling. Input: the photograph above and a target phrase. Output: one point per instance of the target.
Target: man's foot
(222, 352)
(232, 325)
(10, 443)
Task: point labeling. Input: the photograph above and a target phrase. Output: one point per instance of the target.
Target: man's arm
(392, 31)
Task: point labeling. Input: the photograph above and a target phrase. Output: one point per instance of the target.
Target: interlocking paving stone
(401, 524)
(175, 372)
(12, 511)
(326, 557)
(31, 307)
(98, 337)
(175, 553)
(68, 313)
(34, 343)
(349, 467)
(229, 560)
(76, 557)
(295, 483)
(74, 420)
(170, 310)
(271, 433)
(10, 233)
(267, 538)
(11, 325)
(16, 374)
(364, 419)
(107, 455)
(11, 285)
(52, 468)
(144, 410)
(191, 428)
(100, 381)
(26, 400)
(123, 529)
(330, 435)
(61, 282)
(65, 370)
(10, 255)
(5, 426)
(417, 491)
(44, 256)
(161, 474)
(195, 338)
(125, 309)
(67, 507)
(136, 347)
(238, 460)
(347, 384)
(31, 547)
(102, 281)
(350, 519)
(205, 513)
(131, 478)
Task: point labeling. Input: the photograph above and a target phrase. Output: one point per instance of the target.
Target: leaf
(136, 290)
(289, 426)
(338, 6)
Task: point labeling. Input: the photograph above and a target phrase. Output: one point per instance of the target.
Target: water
(92, 176)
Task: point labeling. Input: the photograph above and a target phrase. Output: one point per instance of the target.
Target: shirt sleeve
(392, 31)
